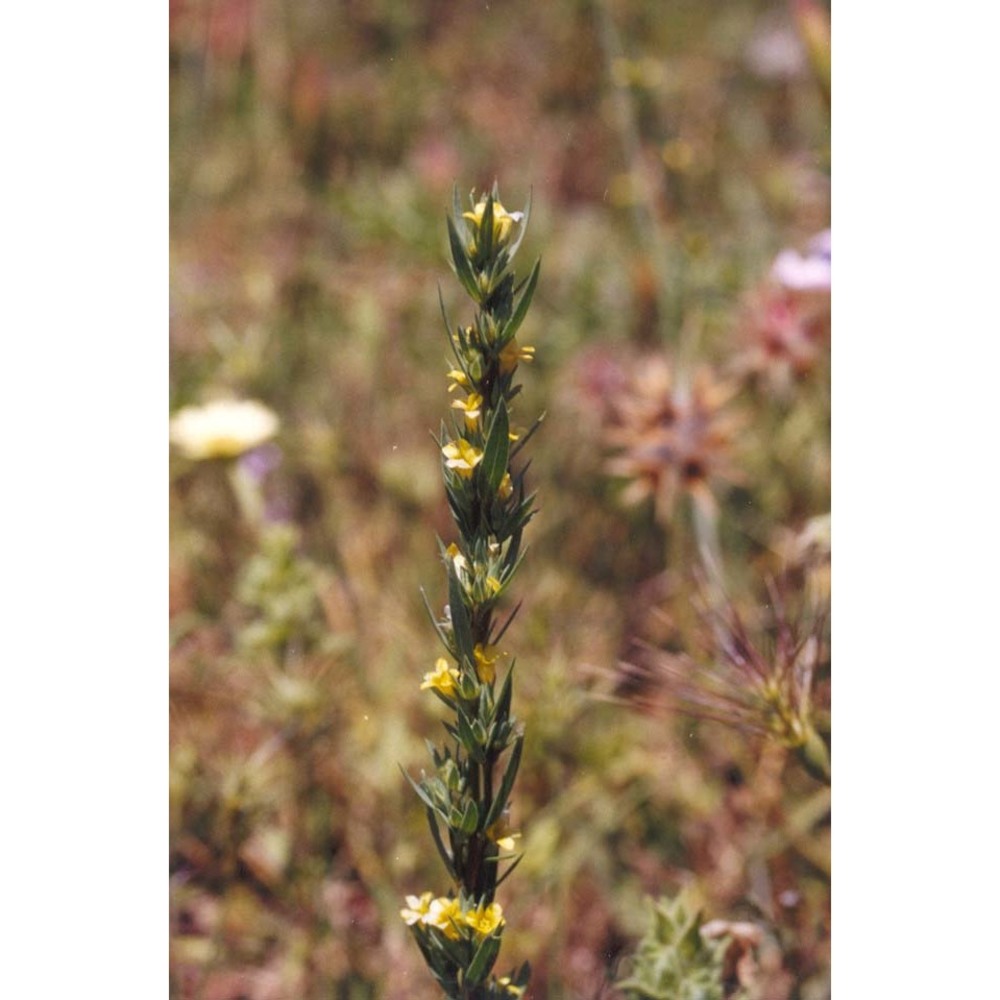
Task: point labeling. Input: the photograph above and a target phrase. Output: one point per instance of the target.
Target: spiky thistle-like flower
(760, 679)
(671, 437)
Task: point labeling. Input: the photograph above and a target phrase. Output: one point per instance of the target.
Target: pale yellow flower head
(514, 991)
(506, 487)
(454, 553)
(501, 834)
(442, 678)
(223, 429)
(416, 909)
(512, 355)
(486, 662)
(446, 915)
(503, 221)
(462, 457)
(472, 406)
(485, 920)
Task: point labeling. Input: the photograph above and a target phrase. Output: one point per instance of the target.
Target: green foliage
(486, 496)
(278, 586)
(673, 961)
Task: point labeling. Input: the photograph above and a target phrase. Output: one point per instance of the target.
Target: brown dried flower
(670, 436)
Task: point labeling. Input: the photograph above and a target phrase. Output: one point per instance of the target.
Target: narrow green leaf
(442, 635)
(470, 818)
(463, 269)
(424, 797)
(527, 436)
(502, 710)
(442, 850)
(456, 209)
(516, 245)
(506, 624)
(482, 962)
(497, 449)
(467, 737)
(521, 309)
(459, 618)
(506, 784)
(444, 315)
(510, 870)
(485, 241)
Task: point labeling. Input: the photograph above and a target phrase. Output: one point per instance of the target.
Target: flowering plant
(467, 795)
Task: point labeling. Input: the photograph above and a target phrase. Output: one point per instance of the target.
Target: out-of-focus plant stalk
(666, 265)
(813, 23)
(467, 795)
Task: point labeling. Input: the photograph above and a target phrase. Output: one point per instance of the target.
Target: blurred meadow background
(673, 645)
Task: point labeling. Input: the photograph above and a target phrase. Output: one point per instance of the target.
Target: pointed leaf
(516, 245)
(521, 310)
(502, 710)
(506, 784)
(459, 618)
(442, 850)
(462, 266)
(442, 635)
(497, 448)
(510, 870)
(424, 797)
(506, 624)
(482, 962)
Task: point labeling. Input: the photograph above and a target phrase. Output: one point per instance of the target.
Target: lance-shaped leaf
(509, 871)
(503, 628)
(516, 245)
(482, 962)
(462, 266)
(527, 436)
(442, 850)
(459, 618)
(506, 784)
(466, 735)
(521, 309)
(444, 315)
(442, 635)
(468, 819)
(497, 449)
(424, 796)
(502, 710)
(484, 244)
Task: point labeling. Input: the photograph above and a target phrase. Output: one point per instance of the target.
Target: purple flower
(805, 273)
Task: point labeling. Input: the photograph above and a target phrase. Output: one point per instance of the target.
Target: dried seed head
(671, 438)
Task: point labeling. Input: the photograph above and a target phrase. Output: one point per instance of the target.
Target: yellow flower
(442, 678)
(511, 355)
(458, 378)
(486, 662)
(506, 487)
(446, 915)
(454, 553)
(415, 911)
(501, 835)
(462, 457)
(223, 429)
(473, 407)
(485, 920)
(503, 221)
(514, 991)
